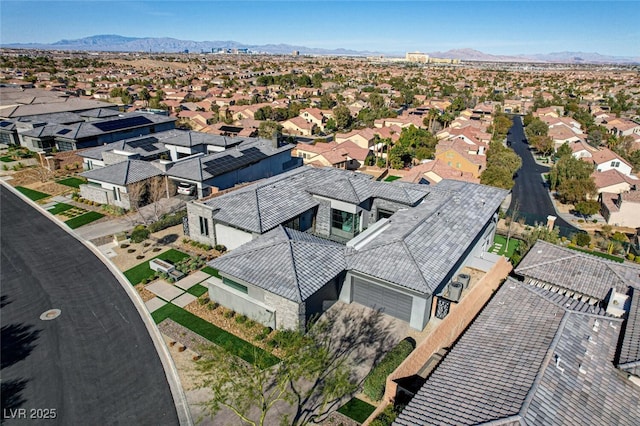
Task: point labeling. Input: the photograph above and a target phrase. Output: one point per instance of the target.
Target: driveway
(530, 190)
(93, 364)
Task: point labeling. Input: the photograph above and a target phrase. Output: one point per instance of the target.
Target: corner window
(235, 285)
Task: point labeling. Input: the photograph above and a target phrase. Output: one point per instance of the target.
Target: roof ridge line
(255, 192)
(413, 260)
(545, 363)
(295, 271)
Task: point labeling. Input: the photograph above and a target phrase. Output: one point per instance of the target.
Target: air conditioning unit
(455, 291)
(464, 279)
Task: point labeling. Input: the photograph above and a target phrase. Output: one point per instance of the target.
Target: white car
(186, 188)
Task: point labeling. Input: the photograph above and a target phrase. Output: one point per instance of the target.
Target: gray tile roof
(89, 129)
(577, 271)
(488, 373)
(123, 173)
(285, 196)
(285, 262)
(629, 359)
(419, 246)
(205, 167)
(529, 359)
(188, 138)
(150, 142)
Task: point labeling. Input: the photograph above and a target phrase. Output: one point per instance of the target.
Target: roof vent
(596, 326)
(581, 369)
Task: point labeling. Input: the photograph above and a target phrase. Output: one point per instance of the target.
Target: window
(344, 224)
(204, 226)
(235, 285)
(293, 224)
(116, 193)
(383, 214)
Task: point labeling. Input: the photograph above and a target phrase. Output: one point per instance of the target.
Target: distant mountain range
(117, 43)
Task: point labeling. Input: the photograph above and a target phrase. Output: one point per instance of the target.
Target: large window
(235, 285)
(344, 224)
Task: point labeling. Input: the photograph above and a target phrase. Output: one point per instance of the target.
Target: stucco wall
(231, 237)
(250, 304)
(104, 195)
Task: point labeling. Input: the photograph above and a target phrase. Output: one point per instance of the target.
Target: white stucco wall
(231, 237)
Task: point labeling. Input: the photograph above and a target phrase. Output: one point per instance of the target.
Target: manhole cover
(50, 314)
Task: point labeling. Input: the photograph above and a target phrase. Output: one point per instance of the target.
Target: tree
(575, 190)
(502, 164)
(376, 101)
(543, 144)
(536, 127)
(315, 372)
(582, 239)
(594, 138)
(144, 95)
(588, 207)
(564, 151)
(342, 116)
(269, 129)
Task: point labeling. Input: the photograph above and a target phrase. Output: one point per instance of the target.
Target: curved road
(95, 363)
(529, 189)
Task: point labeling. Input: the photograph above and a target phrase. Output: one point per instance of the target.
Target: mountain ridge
(118, 43)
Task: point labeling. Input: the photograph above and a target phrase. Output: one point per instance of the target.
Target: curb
(171, 372)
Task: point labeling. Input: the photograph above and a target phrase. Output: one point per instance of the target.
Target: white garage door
(388, 301)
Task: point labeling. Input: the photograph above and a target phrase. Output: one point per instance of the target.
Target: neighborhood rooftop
(528, 360)
(124, 172)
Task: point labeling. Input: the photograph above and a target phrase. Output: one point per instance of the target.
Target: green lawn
(391, 178)
(502, 241)
(72, 182)
(597, 253)
(357, 410)
(32, 194)
(220, 337)
(59, 208)
(211, 271)
(197, 290)
(142, 271)
(83, 219)
(6, 159)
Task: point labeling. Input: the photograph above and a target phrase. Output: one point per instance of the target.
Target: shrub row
(167, 221)
(374, 383)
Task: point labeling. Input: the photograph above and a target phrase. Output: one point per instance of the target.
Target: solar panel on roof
(146, 144)
(122, 123)
(5, 123)
(63, 131)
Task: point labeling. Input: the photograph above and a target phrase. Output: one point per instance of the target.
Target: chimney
(551, 220)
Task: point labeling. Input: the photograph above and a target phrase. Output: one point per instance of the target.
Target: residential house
(622, 127)
(247, 161)
(386, 227)
(621, 209)
(433, 171)
(114, 183)
(298, 126)
(346, 155)
(605, 159)
(463, 156)
(560, 347)
(364, 138)
(315, 116)
(614, 182)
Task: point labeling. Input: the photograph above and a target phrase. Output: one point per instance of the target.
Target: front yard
(142, 271)
(32, 194)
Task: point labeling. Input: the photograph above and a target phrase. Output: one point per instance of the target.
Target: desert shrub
(203, 300)
(228, 313)
(375, 381)
(131, 250)
(167, 221)
(583, 239)
(144, 281)
(139, 234)
(124, 246)
(221, 248)
(140, 256)
(386, 418)
(631, 257)
(241, 319)
(250, 323)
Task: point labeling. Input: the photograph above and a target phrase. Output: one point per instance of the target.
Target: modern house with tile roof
(621, 209)
(404, 242)
(112, 184)
(560, 347)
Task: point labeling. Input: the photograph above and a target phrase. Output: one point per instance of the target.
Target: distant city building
(295, 53)
(417, 57)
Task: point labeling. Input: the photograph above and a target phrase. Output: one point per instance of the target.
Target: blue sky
(497, 27)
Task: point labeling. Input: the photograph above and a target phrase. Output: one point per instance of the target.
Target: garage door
(388, 301)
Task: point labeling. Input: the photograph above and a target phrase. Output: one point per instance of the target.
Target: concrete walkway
(125, 223)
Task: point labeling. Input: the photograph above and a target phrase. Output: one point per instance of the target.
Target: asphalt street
(530, 190)
(93, 364)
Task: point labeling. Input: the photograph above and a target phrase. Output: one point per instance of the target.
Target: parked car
(186, 188)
